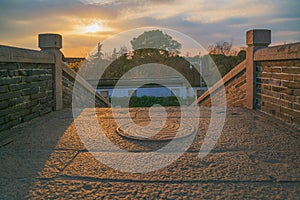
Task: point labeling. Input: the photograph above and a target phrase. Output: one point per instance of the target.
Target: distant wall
(235, 87)
(26, 85)
(277, 81)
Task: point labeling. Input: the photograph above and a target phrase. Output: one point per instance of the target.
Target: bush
(148, 101)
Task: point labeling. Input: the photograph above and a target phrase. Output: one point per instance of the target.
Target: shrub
(148, 101)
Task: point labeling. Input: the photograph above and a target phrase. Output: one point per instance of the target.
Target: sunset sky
(83, 23)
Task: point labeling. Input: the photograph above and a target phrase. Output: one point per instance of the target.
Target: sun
(93, 28)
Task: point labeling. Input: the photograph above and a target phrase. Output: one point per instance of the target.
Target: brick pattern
(84, 95)
(278, 89)
(235, 93)
(26, 92)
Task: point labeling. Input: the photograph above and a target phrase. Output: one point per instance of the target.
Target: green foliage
(242, 54)
(144, 56)
(156, 39)
(221, 62)
(226, 63)
(75, 65)
(148, 101)
(156, 47)
(117, 53)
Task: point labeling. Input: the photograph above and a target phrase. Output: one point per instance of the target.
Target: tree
(224, 63)
(156, 39)
(242, 54)
(97, 54)
(220, 47)
(116, 54)
(123, 50)
(99, 50)
(95, 64)
(75, 65)
(123, 64)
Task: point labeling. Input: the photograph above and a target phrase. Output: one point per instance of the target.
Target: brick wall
(85, 93)
(26, 85)
(235, 89)
(278, 82)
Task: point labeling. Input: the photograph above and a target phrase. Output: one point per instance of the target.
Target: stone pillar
(255, 39)
(52, 43)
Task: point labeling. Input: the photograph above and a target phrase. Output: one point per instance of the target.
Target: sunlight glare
(93, 28)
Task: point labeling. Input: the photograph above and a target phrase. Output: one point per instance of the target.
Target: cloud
(204, 20)
(287, 33)
(280, 20)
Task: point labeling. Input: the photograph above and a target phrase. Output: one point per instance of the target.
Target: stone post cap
(258, 37)
(50, 41)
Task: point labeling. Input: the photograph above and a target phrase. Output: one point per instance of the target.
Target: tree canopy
(156, 39)
(220, 47)
(139, 57)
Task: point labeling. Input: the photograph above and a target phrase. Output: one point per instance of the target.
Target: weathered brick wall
(278, 82)
(84, 94)
(26, 85)
(235, 88)
(68, 84)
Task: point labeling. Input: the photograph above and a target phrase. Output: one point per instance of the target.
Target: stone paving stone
(256, 157)
(78, 189)
(43, 132)
(57, 161)
(249, 131)
(228, 166)
(280, 165)
(70, 139)
(257, 190)
(15, 188)
(235, 136)
(84, 189)
(18, 169)
(22, 163)
(204, 112)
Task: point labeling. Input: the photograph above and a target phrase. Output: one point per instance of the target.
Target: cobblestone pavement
(256, 157)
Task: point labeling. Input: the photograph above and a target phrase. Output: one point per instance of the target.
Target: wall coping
(83, 82)
(281, 52)
(14, 54)
(231, 74)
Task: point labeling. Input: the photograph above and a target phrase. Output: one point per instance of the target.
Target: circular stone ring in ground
(157, 131)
